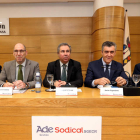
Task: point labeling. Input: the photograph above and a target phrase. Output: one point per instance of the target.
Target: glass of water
(50, 80)
(136, 79)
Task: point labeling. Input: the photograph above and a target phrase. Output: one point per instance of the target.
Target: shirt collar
(104, 64)
(61, 64)
(23, 64)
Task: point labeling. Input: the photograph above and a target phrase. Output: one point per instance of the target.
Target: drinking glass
(136, 79)
(50, 80)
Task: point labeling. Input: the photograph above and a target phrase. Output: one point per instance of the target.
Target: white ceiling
(43, 1)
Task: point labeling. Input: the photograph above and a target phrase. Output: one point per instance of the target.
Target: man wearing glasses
(20, 72)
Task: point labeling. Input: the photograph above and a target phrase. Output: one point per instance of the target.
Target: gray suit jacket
(9, 72)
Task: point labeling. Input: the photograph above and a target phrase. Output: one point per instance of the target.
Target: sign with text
(66, 90)
(66, 127)
(111, 91)
(6, 90)
(4, 26)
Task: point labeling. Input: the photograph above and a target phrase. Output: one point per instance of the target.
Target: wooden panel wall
(134, 26)
(41, 36)
(108, 25)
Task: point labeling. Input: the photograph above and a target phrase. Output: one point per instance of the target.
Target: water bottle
(38, 83)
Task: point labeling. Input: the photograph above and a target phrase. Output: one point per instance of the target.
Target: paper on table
(79, 90)
(19, 90)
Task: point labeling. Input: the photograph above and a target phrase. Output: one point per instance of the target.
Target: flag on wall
(126, 47)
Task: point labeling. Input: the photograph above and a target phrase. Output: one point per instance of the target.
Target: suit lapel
(57, 70)
(27, 70)
(13, 71)
(113, 68)
(101, 68)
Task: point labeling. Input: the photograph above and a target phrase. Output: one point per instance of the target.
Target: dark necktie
(20, 75)
(107, 72)
(63, 76)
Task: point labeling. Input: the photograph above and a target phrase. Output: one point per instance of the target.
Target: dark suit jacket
(74, 74)
(136, 71)
(95, 71)
(9, 72)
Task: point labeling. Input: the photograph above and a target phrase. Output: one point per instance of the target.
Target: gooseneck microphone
(129, 79)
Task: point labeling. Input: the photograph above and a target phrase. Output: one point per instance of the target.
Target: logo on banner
(45, 131)
(4, 26)
(66, 127)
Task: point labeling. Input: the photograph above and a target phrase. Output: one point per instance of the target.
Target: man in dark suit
(65, 70)
(137, 71)
(23, 77)
(105, 70)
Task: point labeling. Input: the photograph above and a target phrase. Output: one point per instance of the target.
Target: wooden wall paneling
(134, 23)
(131, 121)
(106, 121)
(79, 43)
(28, 102)
(83, 58)
(35, 26)
(51, 25)
(134, 43)
(118, 57)
(15, 120)
(108, 17)
(120, 137)
(108, 34)
(135, 58)
(104, 137)
(104, 112)
(76, 25)
(32, 111)
(43, 73)
(15, 136)
(43, 59)
(102, 103)
(125, 130)
(84, 74)
(4, 58)
(32, 43)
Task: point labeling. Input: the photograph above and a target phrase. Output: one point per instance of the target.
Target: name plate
(6, 90)
(111, 91)
(66, 91)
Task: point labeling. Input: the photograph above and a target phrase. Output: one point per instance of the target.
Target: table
(120, 115)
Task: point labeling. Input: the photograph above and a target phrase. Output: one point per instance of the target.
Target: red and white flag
(126, 47)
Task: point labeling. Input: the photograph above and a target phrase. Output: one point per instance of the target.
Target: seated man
(137, 71)
(65, 70)
(105, 70)
(20, 72)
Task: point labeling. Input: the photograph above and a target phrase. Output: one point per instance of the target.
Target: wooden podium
(120, 115)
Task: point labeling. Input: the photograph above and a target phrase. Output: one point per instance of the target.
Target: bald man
(21, 72)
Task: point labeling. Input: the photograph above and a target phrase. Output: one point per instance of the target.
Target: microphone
(129, 78)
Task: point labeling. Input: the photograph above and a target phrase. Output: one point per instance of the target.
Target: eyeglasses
(20, 51)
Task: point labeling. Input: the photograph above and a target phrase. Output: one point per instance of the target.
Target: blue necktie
(107, 72)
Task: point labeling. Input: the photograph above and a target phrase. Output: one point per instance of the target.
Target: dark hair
(63, 44)
(109, 44)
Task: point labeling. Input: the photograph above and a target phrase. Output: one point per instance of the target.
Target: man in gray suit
(20, 72)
